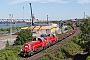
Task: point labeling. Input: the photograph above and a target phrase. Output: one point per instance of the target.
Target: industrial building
(43, 29)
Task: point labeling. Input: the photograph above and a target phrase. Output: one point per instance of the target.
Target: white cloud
(83, 1)
(41, 1)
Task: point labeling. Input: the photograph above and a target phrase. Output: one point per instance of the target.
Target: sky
(55, 9)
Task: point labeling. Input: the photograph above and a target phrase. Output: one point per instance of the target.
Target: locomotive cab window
(41, 39)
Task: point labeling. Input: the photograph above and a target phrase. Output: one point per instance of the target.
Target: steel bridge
(13, 20)
(29, 20)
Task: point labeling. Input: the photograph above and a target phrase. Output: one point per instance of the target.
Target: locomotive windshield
(40, 38)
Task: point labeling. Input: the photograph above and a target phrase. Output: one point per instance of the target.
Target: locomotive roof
(41, 38)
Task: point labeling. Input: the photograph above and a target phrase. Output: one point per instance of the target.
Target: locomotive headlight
(26, 46)
(21, 49)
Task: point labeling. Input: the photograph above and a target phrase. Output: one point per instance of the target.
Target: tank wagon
(41, 43)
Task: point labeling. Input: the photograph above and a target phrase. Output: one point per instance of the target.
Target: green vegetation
(7, 44)
(8, 29)
(10, 53)
(16, 28)
(69, 23)
(75, 39)
(23, 37)
(69, 28)
(88, 58)
(78, 24)
(85, 35)
(58, 35)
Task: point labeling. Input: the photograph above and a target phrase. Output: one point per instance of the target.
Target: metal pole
(23, 12)
(47, 19)
(31, 14)
(61, 26)
(10, 27)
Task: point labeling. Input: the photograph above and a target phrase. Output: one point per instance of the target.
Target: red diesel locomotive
(40, 43)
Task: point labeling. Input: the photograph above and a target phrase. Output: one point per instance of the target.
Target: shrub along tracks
(52, 48)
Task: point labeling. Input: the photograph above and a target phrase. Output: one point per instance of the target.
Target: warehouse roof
(41, 26)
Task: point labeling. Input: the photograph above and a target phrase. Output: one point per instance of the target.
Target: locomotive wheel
(39, 49)
(56, 41)
(31, 53)
(44, 47)
(21, 53)
(24, 54)
(49, 44)
(52, 43)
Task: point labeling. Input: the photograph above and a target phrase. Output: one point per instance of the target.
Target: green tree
(85, 35)
(23, 37)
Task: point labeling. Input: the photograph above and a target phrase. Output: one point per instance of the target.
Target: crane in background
(32, 15)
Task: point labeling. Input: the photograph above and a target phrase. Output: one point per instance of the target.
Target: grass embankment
(67, 52)
(10, 53)
(8, 29)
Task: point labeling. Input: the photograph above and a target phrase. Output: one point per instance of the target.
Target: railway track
(52, 48)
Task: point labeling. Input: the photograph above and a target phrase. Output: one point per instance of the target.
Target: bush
(8, 29)
(75, 39)
(69, 27)
(23, 37)
(88, 58)
(10, 53)
(69, 23)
